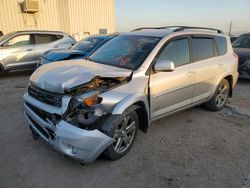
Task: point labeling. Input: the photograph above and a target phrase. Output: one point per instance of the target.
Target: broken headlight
(85, 110)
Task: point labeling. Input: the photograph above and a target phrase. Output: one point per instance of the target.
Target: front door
(18, 52)
(170, 91)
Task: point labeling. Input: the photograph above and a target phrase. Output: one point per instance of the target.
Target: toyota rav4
(94, 106)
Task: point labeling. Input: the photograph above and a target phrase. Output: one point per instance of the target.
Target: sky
(131, 14)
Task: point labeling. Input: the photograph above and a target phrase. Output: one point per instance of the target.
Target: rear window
(46, 38)
(221, 44)
(202, 48)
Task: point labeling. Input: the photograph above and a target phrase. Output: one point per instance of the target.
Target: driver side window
(21, 40)
(176, 51)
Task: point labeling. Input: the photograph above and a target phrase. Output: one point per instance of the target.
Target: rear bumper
(80, 144)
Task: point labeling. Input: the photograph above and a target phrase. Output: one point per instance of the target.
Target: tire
(124, 132)
(2, 71)
(220, 97)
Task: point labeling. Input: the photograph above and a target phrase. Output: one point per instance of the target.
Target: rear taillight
(236, 57)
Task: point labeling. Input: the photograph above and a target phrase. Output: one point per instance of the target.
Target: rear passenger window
(221, 44)
(202, 48)
(176, 51)
(46, 38)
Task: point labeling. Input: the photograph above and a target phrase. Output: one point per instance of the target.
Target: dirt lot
(193, 148)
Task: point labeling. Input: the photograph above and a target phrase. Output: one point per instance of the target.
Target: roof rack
(141, 28)
(180, 28)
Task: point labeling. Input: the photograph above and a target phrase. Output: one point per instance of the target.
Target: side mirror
(164, 66)
(6, 44)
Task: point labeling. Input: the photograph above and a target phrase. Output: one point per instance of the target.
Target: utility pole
(230, 28)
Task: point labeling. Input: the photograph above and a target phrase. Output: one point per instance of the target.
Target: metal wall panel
(71, 16)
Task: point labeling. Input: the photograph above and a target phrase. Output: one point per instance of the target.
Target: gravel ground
(193, 148)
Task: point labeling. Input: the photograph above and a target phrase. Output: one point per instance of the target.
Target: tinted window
(242, 42)
(176, 51)
(20, 40)
(125, 51)
(87, 44)
(221, 44)
(202, 48)
(45, 38)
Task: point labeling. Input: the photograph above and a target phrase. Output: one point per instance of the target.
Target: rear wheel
(124, 133)
(220, 97)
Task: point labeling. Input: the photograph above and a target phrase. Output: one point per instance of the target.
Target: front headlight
(89, 99)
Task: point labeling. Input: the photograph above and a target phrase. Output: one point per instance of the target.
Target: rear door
(44, 42)
(207, 65)
(18, 52)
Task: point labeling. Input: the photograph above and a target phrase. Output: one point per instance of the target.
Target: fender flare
(129, 101)
(226, 74)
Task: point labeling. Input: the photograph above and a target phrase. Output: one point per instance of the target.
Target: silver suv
(88, 107)
(22, 50)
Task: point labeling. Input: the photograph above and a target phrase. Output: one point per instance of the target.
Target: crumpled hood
(57, 55)
(60, 76)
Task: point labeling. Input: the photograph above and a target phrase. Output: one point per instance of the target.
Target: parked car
(22, 50)
(242, 49)
(80, 50)
(85, 108)
(233, 38)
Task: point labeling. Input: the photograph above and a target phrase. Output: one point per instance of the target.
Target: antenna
(230, 28)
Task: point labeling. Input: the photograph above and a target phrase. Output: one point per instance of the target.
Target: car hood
(56, 55)
(61, 76)
(243, 52)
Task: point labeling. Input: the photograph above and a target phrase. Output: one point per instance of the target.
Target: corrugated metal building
(72, 16)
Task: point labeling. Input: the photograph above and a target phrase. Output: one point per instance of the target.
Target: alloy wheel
(124, 134)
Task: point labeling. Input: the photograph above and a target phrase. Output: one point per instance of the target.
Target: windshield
(125, 51)
(2, 38)
(87, 44)
(242, 42)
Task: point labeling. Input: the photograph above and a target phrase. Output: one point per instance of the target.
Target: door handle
(220, 65)
(190, 73)
(29, 50)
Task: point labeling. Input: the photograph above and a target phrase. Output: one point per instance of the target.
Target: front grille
(45, 116)
(54, 99)
(39, 128)
(54, 118)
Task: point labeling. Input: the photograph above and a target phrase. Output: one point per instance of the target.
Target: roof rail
(180, 28)
(141, 28)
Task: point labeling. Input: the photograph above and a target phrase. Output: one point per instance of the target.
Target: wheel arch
(142, 109)
(229, 77)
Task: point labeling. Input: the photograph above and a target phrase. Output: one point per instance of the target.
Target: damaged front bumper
(80, 144)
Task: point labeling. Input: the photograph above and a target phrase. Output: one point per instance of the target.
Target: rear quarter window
(221, 44)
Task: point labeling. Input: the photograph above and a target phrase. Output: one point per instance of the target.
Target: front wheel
(124, 133)
(220, 97)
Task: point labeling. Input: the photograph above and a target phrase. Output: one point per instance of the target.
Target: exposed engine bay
(98, 83)
(85, 109)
